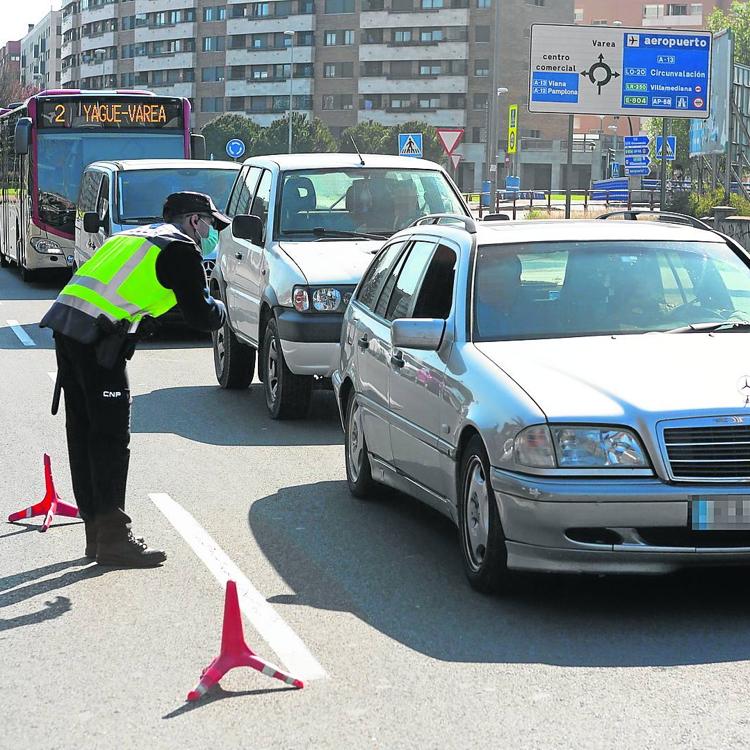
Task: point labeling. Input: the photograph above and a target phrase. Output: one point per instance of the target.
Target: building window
(479, 101)
(371, 68)
(431, 35)
(599, 22)
(578, 15)
(402, 5)
(372, 36)
(338, 70)
(430, 69)
(215, 13)
(429, 102)
(372, 5)
(432, 4)
(214, 43)
(212, 104)
(538, 3)
(237, 41)
(260, 10)
(482, 34)
(236, 104)
(348, 37)
(303, 101)
(339, 6)
(212, 75)
(400, 102)
(337, 101)
(402, 37)
(481, 68)
(401, 69)
(484, 3)
(675, 9)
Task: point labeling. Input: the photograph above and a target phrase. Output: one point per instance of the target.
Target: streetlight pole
(493, 117)
(290, 35)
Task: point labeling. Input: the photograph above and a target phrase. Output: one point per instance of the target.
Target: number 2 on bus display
(60, 114)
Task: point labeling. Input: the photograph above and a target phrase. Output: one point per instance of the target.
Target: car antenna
(361, 160)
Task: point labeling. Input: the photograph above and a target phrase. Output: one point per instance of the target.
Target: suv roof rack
(468, 223)
(670, 216)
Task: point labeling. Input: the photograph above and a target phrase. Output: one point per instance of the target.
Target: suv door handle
(363, 342)
(238, 255)
(397, 359)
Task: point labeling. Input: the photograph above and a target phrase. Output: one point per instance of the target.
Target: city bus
(47, 142)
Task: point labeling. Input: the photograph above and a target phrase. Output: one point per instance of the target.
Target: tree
(11, 89)
(370, 137)
(737, 18)
(222, 129)
(308, 136)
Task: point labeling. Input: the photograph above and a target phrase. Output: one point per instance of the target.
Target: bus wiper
(733, 325)
(322, 232)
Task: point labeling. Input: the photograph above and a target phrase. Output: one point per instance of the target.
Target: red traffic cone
(50, 506)
(234, 651)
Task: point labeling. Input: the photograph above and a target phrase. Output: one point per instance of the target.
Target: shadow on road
(46, 287)
(396, 565)
(217, 693)
(51, 610)
(210, 415)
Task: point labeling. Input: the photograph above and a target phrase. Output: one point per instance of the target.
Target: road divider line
(286, 644)
(23, 337)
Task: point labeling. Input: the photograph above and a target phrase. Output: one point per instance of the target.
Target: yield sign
(450, 138)
(456, 160)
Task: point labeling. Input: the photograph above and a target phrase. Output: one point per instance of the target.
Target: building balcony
(268, 56)
(301, 86)
(165, 32)
(172, 89)
(387, 19)
(98, 41)
(168, 61)
(695, 20)
(435, 51)
(103, 13)
(414, 85)
(96, 69)
(266, 24)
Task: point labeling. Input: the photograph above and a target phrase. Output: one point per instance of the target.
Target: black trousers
(97, 422)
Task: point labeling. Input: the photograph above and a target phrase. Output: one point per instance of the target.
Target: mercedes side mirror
(248, 227)
(22, 135)
(425, 334)
(91, 223)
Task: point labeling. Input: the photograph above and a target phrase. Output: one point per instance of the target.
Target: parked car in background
(305, 228)
(575, 396)
(120, 195)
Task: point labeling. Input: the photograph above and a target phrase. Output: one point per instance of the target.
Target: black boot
(117, 546)
(90, 539)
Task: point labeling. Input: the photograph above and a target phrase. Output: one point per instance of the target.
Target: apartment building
(634, 13)
(41, 53)
(10, 61)
(352, 60)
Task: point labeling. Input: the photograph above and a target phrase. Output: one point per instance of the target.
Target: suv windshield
(142, 192)
(553, 290)
(370, 201)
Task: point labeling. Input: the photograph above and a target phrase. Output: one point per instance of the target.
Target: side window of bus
(102, 204)
(89, 191)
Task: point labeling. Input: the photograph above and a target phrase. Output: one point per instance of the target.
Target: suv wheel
(358, 470)
(234, 362)
(481, 535)
(287, 394)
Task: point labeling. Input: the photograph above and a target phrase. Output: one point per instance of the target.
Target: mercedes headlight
(574, 447)
(45, 246)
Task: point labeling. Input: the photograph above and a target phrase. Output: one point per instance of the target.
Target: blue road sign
(615, 167)
(235, 148)
(671, 147)
(636, 151)
(635, 171)
(664, 70)
(410, 144)
(632, 161)
(512, 183)
(636, 140)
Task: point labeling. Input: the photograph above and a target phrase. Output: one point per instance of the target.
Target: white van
(119, 195)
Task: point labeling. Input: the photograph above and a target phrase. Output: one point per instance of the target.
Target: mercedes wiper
(730, 325)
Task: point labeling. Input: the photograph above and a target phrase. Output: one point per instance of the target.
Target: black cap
(187, 202)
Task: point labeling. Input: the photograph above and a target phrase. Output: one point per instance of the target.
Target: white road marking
(23, 337)
(52, 376)
(280, 637)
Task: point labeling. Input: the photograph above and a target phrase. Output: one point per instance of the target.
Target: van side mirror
(91, 223)
(197, 146)
(248, 227)
(425, 334)
(22, 135)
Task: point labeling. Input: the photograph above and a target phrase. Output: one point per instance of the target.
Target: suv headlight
(321, 299)
(579, 447)
(45, 246)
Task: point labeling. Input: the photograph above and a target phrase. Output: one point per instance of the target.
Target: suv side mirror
(91, 223)
(22, 135)
(248, 227)
(425, 334)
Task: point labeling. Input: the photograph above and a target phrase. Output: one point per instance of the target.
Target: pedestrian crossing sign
(410, 144)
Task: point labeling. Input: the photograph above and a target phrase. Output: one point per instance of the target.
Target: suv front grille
(713, 453)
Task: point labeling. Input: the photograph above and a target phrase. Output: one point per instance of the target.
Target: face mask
(208, 244)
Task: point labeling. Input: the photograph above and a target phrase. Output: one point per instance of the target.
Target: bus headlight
(44, 246)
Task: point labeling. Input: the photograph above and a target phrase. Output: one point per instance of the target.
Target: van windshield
(142, 192)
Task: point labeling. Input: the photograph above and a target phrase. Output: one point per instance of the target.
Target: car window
(89, 191)
(545, 290)
(435, 295)
(262, 197)
(237, 191)
(248, 190)
(409, 278)
(102, 204)
(376, 275)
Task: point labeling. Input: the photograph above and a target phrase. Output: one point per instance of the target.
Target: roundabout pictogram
(600, 74)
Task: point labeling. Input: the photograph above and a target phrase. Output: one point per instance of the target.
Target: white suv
(305, 228)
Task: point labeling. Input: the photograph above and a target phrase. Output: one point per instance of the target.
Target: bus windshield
(142, 192)
(62, 157)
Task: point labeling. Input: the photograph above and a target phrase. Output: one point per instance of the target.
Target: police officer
(134, 277)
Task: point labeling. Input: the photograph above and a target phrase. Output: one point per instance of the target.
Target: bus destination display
(109, 114)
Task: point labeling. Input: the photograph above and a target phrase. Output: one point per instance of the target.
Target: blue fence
(613, 191)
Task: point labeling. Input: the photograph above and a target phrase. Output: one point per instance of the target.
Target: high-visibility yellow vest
(120, 280)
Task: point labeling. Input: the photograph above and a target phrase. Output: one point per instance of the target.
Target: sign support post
(663, 169)
(569, 168)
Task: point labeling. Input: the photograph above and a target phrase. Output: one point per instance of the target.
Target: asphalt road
(373, 592)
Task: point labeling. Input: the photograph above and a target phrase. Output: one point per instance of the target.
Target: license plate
(720, 514)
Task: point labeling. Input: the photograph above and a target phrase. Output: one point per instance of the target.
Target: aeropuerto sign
(619, 71)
